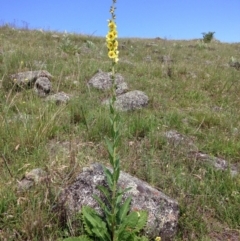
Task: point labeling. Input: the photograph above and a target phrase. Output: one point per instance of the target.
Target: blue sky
(171, 19)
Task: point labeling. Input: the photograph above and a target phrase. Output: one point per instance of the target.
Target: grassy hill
(192, 90)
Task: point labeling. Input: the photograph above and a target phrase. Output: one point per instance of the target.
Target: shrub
(208, 37)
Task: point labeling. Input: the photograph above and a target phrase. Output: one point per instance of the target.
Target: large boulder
(162, 210)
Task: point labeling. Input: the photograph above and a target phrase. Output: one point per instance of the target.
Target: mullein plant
(116, 223)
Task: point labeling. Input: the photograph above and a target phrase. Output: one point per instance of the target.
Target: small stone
(42, 86)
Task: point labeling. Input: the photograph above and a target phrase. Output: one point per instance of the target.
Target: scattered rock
(166, 59)
(59, 98)
(148, 59)
(218, 163)
(235, 64)
(32, 178)
(103, 81)
(28, 78)
(151, 45)
(162, 211)
(42, 86)
(131, 100)
(176, 139)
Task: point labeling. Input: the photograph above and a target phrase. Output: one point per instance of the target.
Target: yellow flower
(112, 54)
(112, 25)
(115, 44)
(114, 32)
(158, 239)
(111, 36)
(110, 45)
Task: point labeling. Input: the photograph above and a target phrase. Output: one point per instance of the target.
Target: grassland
(196, 93)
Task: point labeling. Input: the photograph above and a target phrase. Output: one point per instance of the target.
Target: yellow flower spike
(158, 239)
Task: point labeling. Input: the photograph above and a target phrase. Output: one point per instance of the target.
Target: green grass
(197, 95)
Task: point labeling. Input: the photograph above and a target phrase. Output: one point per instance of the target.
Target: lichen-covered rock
(103, 81)
(31, 178)
(42, 86)
(162, 211)
(131, 100)
(218, 163)
(28, 78)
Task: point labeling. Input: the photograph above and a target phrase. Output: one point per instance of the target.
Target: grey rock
(151, 45)
(218, 163)
(235, 64)
(166, 59)
(103, 81)
(162, 211)
(32, 178)
(42, 86)
(28, 78)
(148, 59)
(59, 98)
(176, 139)
(131, 100)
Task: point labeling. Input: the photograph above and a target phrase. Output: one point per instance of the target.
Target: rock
(151, 45)
(218, 163)
(235, 64)
(31, 178)
(103, 81)
(147, 59)
(131, 100)
(42, 86)
(162, 211)
(59, 98)
(166, 59)
(28, 78)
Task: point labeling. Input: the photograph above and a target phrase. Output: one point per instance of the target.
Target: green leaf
(142, 220)
(100, 202)
(117, 170)
(94, 224)
(80, 238)
(104, 191)
(110, 151)
(123, 210)
(131, 220)
(109, 177)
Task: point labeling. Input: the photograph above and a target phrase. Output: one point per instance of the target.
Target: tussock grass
(197, 94)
